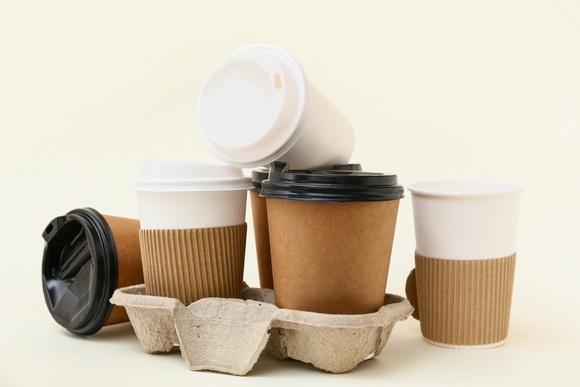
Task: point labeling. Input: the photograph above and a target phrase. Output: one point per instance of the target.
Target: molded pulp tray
(228, 335)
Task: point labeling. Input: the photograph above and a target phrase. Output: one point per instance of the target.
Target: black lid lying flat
(330, 186)
(79, 270)
(261, 174)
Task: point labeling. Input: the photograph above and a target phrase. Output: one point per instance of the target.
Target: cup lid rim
(494, 188)
(191, 185)
(330, 186)
(262, 149)
(168, 176)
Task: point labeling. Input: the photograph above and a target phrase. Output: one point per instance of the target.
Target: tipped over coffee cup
(87, 256)
(258, 105)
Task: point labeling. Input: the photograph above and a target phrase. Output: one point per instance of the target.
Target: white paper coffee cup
(258, 106)
(179, 195)
(462, 283)
(466, 219)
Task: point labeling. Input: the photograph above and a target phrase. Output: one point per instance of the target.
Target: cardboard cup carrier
(87, 256)
(462, 283)
(228, 335)
(331, 235)
(193, 230)
(260, 217)
(258, 105)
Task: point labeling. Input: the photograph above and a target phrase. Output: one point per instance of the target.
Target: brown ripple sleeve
(464, 302)
(190, 264)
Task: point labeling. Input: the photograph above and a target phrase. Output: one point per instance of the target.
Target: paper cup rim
(479, 188)
(178, 176)
(199, 185)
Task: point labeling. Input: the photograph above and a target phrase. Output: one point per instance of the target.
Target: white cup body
(182, 210)
(173, 195)
(258, 106)
(327, 138)
(466, 219)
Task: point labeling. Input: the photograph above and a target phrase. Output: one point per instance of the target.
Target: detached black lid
(79, 270)
(337, 185)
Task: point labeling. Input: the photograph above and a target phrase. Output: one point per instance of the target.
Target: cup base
(453, 346)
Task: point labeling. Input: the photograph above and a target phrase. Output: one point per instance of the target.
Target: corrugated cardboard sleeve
(190, 264)
(126, 235)
(331, 257)
(262, 235)
(464, 302)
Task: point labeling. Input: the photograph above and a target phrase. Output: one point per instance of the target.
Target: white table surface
(434, 90)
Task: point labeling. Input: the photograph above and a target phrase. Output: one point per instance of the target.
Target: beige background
(467, 90)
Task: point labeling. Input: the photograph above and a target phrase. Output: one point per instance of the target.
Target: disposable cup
(87, 256)
(258, 105)
(180, 195)
(464, 261)
(193, 230)
(331, 236)
(260, 217)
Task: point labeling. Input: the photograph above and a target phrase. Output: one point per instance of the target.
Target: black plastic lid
(79, 270)
(347, 167)
(332, 186)
(261, 174)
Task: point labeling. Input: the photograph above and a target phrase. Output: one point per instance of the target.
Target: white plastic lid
(170, 176)
(254, 105)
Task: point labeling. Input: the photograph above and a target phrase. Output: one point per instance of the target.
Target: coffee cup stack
(324, 229)
(258, 108)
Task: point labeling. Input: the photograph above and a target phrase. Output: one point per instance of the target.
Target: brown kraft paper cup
(262, 235)
(126, 234)
(463, 302)
(190, 264)
(260, 217)
(331, 257)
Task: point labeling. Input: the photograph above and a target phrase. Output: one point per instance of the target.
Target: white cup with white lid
(184, 195)
(258, 106)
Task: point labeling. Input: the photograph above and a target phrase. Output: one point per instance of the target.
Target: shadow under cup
(462, 283)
